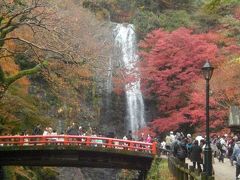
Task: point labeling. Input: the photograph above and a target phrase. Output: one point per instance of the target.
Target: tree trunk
(5, 82)
(3, 89)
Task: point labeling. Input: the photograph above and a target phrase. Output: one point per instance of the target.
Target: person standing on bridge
(149, 139)
(37, 131)
(129, 136)
(73, 129)
(80, 131)
(89, 130)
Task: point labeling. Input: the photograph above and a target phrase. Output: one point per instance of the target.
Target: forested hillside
(50, 60)
(177, 38)
(52, 67)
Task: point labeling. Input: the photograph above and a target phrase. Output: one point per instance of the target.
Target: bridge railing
(36, 140)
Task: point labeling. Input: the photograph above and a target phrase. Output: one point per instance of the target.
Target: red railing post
(21, 140)
(131, 146)
(109, 143)
(88, 141)
(154, 148)
(43, 139)
(65, 142)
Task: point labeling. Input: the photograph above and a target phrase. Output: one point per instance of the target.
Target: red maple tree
(171, 67)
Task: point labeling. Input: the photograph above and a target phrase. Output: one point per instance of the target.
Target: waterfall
(125, 39)
(109, 76)
(109, 83)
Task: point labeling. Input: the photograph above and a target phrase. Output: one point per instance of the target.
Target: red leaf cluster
(171, 64)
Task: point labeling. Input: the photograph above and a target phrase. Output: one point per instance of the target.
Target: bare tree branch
(9, 80)
(25, 11)
(34, 45)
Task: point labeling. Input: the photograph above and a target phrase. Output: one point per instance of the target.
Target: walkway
(223, 171)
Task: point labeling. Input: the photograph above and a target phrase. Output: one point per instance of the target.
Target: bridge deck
(72, 151)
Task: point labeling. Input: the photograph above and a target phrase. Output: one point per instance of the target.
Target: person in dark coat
(179, 149)
(73, 130)
(195, 155)
(37, 130)
(129, 136)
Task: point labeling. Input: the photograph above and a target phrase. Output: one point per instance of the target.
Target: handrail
(182, 171)
(35, 140)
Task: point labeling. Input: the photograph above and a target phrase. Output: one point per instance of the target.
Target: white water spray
(126, 40)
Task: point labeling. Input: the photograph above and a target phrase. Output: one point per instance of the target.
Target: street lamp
(207, 71)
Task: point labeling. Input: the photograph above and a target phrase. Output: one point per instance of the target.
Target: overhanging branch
(33, 44)
(9, 80)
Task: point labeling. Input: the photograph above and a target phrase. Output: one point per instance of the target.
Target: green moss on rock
(159, 170)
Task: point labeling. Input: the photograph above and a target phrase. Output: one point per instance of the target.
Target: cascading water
(125, 39)
(109, 76)
(109, 84)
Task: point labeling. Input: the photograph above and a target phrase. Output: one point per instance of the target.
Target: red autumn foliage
(237, 13)
(227, 93)
(171, 64)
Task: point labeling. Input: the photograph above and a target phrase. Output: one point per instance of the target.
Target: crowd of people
(223, 147)
(181, 146)
(76, 130)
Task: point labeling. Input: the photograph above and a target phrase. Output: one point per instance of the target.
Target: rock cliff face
(111, 115)
(70, 173)
(115, 117)
(87, 174)
(99, 174)
(113, 107)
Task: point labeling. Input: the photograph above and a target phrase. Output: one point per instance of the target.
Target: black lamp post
(207, 71)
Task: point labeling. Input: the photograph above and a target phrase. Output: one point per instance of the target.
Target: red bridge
(76, 151)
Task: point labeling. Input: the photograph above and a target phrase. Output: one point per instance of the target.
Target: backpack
(181, 152)
(219, 145)
(237, 157)
(189, 146)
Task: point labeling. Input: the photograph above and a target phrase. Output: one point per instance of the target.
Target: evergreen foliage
(29, 173)
(174, 19)
(146, 21)
(159, 170)
(221, 7)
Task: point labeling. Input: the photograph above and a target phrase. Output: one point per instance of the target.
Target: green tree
(145, 21)
(221, 7)
(160, 5)
(173, 19)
